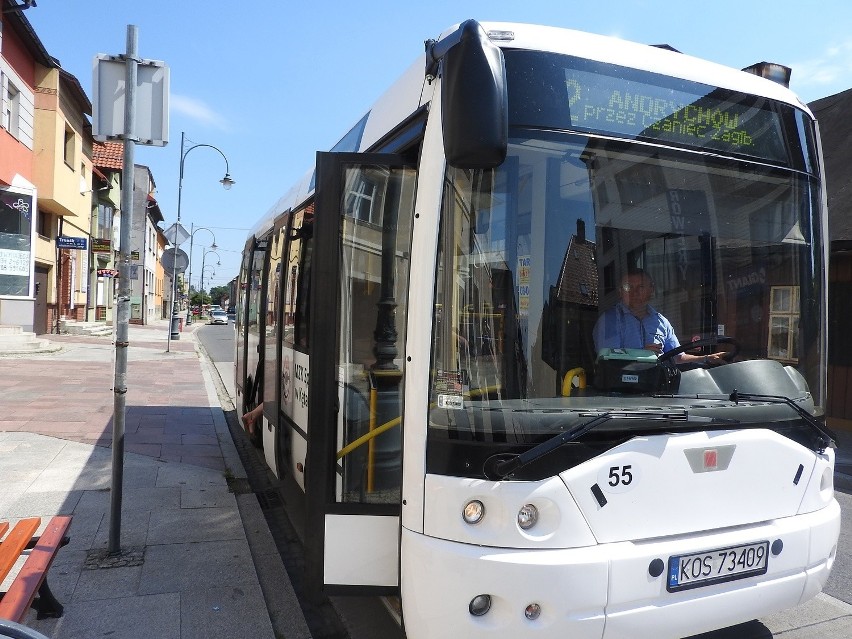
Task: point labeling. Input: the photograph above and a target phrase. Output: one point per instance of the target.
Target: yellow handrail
(580, 374)
(366, 437)
(375, 432)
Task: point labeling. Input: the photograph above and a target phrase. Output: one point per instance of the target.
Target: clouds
(197, 110)
(825, 74)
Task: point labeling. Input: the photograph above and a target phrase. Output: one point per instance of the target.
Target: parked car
(218, 316)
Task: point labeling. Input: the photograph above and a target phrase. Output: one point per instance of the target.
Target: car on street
(218, 316)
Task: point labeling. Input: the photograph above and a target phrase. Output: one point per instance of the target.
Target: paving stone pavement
(189, 545)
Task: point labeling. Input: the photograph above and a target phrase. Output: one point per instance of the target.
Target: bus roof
(411, 90)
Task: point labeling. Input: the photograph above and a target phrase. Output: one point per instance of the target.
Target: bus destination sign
(688, 116)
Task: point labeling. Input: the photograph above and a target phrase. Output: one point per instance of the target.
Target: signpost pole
(123, 310)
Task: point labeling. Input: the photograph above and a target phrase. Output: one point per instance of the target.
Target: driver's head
(637, 287)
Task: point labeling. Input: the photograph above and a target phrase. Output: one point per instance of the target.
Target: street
(218, 340)
(828, 616)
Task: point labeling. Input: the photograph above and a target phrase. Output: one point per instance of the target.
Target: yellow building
(62, 173)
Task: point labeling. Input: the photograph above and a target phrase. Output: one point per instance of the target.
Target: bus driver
(633, 323)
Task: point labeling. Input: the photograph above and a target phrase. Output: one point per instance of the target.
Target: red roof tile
(108, 155)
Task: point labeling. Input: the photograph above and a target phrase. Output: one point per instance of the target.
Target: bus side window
(297, 288)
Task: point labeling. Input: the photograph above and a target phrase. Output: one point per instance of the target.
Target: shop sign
(101, 245)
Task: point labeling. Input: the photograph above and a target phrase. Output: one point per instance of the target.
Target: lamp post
(227, 183)
(203, 258)
(201, 282)
(192, 232)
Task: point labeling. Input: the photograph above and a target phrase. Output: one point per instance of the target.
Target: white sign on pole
(152, 100)
(176, 234)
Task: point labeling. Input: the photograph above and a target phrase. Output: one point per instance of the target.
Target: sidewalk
(196, 558)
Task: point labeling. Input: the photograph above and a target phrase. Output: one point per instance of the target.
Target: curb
(285, 613)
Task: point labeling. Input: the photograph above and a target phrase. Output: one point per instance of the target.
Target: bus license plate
(715, 566)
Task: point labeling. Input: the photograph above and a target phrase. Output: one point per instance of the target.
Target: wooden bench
(32, 578)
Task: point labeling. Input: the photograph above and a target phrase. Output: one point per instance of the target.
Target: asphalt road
(829, 616)
(218, 340)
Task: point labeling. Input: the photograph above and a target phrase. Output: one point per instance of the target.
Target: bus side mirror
(474, 102)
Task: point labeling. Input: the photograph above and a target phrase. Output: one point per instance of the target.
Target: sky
(270, 82)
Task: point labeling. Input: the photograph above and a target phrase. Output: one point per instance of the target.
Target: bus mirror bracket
(474, 102)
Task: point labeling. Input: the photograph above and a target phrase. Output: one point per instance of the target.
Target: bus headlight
(527, 516)
(473, 512)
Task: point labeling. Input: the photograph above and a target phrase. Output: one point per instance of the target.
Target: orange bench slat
(15, 543)
(23, 589)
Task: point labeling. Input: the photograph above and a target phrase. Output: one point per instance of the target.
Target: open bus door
(359, 279)
(249, 320)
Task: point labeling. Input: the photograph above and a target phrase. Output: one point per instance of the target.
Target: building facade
(63, 173)
(146, 280)
(107, 160)
(22, 289)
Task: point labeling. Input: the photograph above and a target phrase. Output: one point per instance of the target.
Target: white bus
(417, 317)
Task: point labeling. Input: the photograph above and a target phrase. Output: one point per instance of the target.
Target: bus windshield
(554, 270)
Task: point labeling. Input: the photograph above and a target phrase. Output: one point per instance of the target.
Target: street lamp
(227, 183)
(201, 279)
(192, 233)
(210, 277)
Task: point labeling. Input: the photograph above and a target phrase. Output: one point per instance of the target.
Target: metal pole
(174, 273)
(123, 307)
(201, 279)
(189, 281)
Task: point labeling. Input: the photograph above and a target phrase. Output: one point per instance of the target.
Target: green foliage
(215, 296)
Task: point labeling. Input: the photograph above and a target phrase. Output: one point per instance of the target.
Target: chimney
(581, 230)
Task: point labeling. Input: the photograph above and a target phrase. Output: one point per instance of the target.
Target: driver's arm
(712, 359)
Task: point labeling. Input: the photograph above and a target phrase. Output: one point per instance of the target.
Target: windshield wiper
(826, 439)
(502, 465)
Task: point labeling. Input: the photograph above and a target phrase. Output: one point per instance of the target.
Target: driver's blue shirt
(619, 328)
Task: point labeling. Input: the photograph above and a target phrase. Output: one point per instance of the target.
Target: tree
(217, 294)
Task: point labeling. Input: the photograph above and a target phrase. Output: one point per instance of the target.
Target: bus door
(359, 280)
(249, 364)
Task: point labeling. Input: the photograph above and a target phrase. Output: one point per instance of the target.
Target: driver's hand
(714, 359)
(654, 346)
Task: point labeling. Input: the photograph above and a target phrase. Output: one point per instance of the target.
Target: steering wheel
(727, 355)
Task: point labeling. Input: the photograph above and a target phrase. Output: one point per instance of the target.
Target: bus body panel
(639, 56)
(348, 562)
(573, 515)
(420, 304)
(294, 405)
(736, 487)
(560, 524)
(606, 590)
(403, 98)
